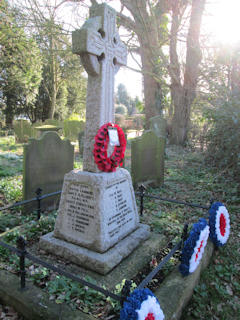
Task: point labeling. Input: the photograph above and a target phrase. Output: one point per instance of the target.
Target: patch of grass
(187, 178)
(78, 161)
(9, 220)
(10, 171)
(81, 297)
(218, 292)
(31, 229)
(10, 164)
(11, 188)
(7, 144)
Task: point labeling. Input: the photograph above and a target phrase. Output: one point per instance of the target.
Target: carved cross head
(98, 42)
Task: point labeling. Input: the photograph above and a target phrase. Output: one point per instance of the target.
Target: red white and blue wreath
(194, 246)
(141, 305)
(219, 223)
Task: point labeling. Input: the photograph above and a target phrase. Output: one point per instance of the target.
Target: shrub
(119, 119)
(23, 130)
(53, 122)
(71, 129)
(138, 121)
(223, 138)
(121, 109)
(135, 122)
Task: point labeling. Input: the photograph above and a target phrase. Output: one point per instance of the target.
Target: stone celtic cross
(102, 53)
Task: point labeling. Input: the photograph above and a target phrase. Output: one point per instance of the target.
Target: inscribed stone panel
(96, 210)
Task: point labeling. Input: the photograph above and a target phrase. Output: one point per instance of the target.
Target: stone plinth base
(99, 262)
(96, 210)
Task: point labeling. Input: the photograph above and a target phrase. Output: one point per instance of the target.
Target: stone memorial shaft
(97, 224)
(102, 53)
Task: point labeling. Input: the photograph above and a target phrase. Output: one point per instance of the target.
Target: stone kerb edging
(174, 294)
(176, 291)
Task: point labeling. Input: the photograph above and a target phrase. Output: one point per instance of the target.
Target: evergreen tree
(20, 66)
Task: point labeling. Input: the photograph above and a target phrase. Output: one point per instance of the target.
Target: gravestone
(46, 160)
(147, 156)
(158, 125)
(97, 223)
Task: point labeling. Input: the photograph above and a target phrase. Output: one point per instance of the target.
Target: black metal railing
(177, 247)
(23, 253)
(142, 194)
(39, 197)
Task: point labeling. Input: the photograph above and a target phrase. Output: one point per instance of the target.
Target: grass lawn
(187, 178)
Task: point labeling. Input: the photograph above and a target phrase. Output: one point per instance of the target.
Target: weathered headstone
(158, 126)
(147, 158)
(46, 128)
(98, 223)
(46, 160)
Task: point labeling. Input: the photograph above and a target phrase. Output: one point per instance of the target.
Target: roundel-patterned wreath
(103, 162)
(141, 305)
(219, 223)
(194, 247)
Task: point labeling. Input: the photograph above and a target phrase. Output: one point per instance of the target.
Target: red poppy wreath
(103, 162)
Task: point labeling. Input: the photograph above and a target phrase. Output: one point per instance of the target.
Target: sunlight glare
(224, 21)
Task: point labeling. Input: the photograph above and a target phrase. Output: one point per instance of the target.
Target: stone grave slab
(102, 263)
(158, 126)
(126, 269)
(147, 159)
(46, 160)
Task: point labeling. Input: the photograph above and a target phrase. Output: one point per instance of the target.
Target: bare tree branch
(126, 22)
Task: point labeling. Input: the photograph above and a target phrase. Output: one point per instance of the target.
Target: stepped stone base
(99, 262)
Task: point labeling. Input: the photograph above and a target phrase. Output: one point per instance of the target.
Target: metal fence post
(125, 291)
(184, 237)
(39, 195)
(142, 189)
(21, 245)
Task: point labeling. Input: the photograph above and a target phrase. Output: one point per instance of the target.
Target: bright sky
(224, 20)
(221, 20)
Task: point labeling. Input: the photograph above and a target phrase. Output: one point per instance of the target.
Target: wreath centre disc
(150, 316)
(223, 224)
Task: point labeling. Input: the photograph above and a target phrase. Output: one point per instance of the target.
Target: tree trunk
(9, 118)
(53, 75)
(152, 87)
(147, 25)
(52, 106)
(9, 115)
(184, 95)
